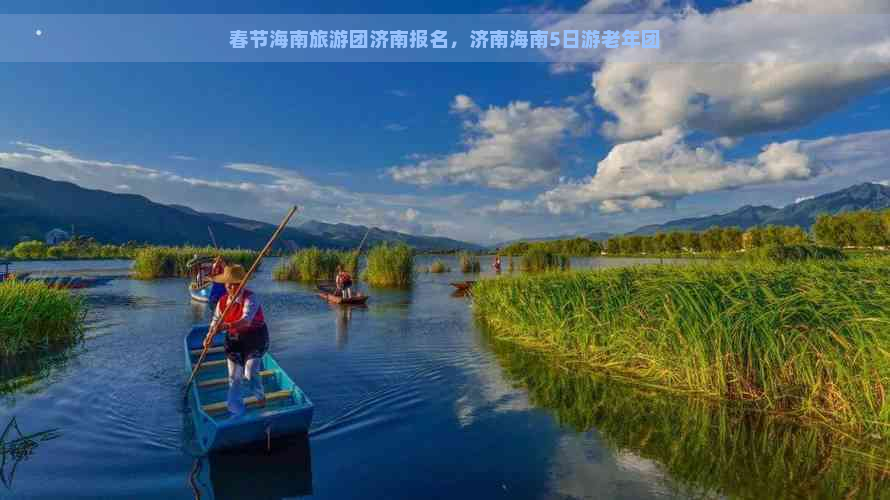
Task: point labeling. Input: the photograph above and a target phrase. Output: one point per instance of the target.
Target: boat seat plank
(212, 350)
(225, 380)
(211, 364)
(249, 401)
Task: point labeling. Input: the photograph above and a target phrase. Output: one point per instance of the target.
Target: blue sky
(475, 151)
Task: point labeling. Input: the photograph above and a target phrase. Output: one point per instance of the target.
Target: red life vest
(237, 311)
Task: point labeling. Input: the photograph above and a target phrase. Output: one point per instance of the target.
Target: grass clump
(314, 264)
(469, 263)
(33, 316)
(805, 339)
(170, 262)
(439, 267)
(539, 259)
(390, 266)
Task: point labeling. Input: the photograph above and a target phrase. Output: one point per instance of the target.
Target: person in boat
(218, 289)
(247, 338)
(344, 283)
(497, 263)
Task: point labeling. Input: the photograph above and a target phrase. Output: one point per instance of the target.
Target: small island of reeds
(171, 262)
(802, 339)
(390, 266)
(33, 317)
(313, 264)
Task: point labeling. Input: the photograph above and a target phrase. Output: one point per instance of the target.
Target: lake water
(412, 401)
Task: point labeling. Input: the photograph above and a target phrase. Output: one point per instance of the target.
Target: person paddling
(247, 338)
(497, 264)
(344, 283)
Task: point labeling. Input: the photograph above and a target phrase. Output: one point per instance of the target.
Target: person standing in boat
(247, 338)
(497, 264)
(217, 290)
(344, 283)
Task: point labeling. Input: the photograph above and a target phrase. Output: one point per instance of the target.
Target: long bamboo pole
(213, 330)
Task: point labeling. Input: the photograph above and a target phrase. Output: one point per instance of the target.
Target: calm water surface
(412, 401)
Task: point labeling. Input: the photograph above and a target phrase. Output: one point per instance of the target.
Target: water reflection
(16, 447)
(705, 449)
(23, 373)
(343, 316)
(283, 472)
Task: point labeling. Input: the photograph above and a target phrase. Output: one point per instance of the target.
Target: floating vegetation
(16, 447)
(170, 262)
(314, 264)
(439, 267)
(34, 316)
(806, 340)
(390, 266)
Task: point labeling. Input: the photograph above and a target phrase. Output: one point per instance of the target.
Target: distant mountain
(30, 206)
(865, 196)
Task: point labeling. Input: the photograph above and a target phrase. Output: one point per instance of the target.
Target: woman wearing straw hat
(247, 338)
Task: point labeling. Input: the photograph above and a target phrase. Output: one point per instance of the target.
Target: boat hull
(217, 431)
(357, 300)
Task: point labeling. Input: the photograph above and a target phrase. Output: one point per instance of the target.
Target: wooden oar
(212, 238)
(209, 338)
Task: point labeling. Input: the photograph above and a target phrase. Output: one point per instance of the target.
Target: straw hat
(231, 274)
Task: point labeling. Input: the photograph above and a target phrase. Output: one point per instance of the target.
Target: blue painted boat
(288, 410)
(208, 293)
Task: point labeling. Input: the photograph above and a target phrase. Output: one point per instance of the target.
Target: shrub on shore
(170, 262)
(390, 266)
(313, 264)
(539, 259)
(469, 263)
(804, 339)
(33, 316)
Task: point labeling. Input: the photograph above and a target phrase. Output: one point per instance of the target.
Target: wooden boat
(200, 293)
(329, 295)
(288, 410)
(463, 286)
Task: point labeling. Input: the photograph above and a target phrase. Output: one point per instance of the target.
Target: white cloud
(763, 73)
(508, 148)
(183, 157)
(803, 198)
(395, 127)
(885, 182)
(642, 174)
(123, 187)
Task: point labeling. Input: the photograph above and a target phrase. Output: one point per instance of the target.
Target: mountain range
(865, 196)
(30, 206)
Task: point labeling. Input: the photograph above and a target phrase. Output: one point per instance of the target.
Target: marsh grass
(807, 340)
(439, 267)
(33, 317)
(469, 263)
(706, 449)
(794, 253)
(390, 266)
(169, 262)
(539, 259)
(314, 264)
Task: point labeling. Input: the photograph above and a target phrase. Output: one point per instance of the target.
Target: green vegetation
(577, 247)
(390, 266)
(789, 253)
(806, 339)
(33, 316)
(862, 229)
(169, 262)
(314, 264)
(77, 248)
(439, 267)
(469, 263)
(539, 259)
(707, 450)
(714, 241)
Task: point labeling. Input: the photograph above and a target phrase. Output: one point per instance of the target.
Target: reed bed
(170, 262)
(33, 316)
(539, 259)
(438, 267)
(791, 253)
(708, 450)
(390, 266)
(469, 263)
(314, 264)
(807, 340)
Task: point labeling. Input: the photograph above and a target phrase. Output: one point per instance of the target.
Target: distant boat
(288, 410)
(329, 295)
(201, 289)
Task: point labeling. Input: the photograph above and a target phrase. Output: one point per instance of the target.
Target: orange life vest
(237, 311)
